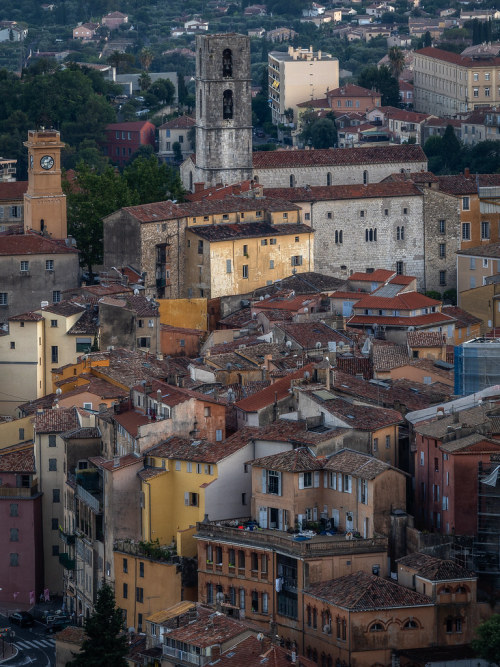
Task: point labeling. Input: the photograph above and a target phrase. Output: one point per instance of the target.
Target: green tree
(150, 181)
(144, 81)
(90, 198)
(176, 147)
(396, 61)
(146, 58)
(381, 79)
(105, 644)
(450, 147)
(487, 643)
(427, 39)
(318, 132)
(162, 92)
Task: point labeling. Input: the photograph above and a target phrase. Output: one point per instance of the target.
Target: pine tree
(105, 645)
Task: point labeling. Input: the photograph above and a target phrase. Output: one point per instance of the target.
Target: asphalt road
(34, 646)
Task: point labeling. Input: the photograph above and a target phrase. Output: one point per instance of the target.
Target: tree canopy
(487, 642)
(318, 132)
(105, 644)
(381, 79)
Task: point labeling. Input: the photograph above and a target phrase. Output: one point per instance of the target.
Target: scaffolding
(487, 543)
(477, 365)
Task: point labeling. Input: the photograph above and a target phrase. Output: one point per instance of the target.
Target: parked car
(57, 625)
(22, 618)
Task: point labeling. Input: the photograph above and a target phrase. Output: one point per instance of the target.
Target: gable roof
(293, 460)
(32, 244)
(12, 190)
(56, 421)
(350, 462)
(367, 592)
(179, 123)
(351, 90)
(20, 461)
(435, 569)
(338, 156)
(456, 58)
(276, 391)
(334, 192)
(425, 338)
(202, 451)
(228, 231)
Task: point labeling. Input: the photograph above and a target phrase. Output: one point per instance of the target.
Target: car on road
(22, 618)
(57, 624)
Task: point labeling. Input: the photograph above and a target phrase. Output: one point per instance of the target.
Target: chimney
(199, 187)
(467, 172)
(116, 461)
(328, 377)
(102, 408)
(293, 657)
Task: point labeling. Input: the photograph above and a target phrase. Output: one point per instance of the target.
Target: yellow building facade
(178, 485)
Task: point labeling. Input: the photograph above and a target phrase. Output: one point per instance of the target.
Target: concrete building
(123, 140)
(174, 131)
(298, 75)
(448, 84)
(12, 204)
(114, 20)
(129, 321)
(474, 267)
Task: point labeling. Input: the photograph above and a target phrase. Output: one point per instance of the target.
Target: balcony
(67, 562)
(184, 656)
(90, 500)
(67, 538)
(19, 491)
(321, 545)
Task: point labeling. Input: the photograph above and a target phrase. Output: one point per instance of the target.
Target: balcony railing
(67, 562)
(19, 491)
(67, 538)
(320, 545)
(88, 499)
(192, 658)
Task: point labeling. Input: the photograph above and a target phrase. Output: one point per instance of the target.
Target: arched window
(410, 625)
(446, 590)
(329, 179)
(201, 104)
(398, 233)
(199, 61)
(315, 655)
(227, 63)
(315, 617)
(190, 180)
(375, 234)
(402, 233)
(309, 615)
(376, 627)
(461, 589)
(227, 105)
(365, 177)
(292, 181)
(256, 178)
(370, 235)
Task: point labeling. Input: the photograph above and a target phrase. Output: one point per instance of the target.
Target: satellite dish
(318, 345)
(261, 298)
(59, 391)
(228, 367)
(254, 315)
(268, 296)
(131, 629)
(288, 343)
(136, 292)
(307, 375)
(306, 310)
(292, 293)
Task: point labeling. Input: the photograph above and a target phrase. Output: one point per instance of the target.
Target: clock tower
(44, 200)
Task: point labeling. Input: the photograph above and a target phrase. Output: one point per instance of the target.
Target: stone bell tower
(223, 109)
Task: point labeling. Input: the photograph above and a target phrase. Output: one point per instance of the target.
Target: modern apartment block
(298, 75)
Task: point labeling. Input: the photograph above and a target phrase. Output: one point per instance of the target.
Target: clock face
(31, 161)
(47, 162)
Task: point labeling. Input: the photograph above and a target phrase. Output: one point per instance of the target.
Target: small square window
(12, 345)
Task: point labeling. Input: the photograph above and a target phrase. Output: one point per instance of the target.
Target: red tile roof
(307, 334)
(351, 90)
(228, 231)
(203, 451)
(32, 244)
(402, 301)
(13, 190)
(367, 592)
(253, 652)
(462, 316)
(180, 123)
(356, 463)
(459, 184)
(294, 460)
(221, 192)
(378, 276)
(26, 317)
(276, 391)
(120, 462)
(455, 58)
(131, 126)
(338, 156)
(428, 320)
(210, 629)
(425, 339)
(435, 569)
(333, 192)
(131, 421)
(58, 420)
(20, 461)
(387, 357)
(357, 416)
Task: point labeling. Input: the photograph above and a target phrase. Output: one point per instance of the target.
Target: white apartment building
(296, 76)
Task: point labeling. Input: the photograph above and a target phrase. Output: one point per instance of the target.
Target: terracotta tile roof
(454, 58)
(121, 462)
(88, 324)
(58, 420)
(288, 301)
(82, 432)
(128, 367)
(140, 305)
(367, 592)
(357, 416)
(228, 231)
(307, 334)
(242, 342)
(167, 328)
(221, 192)
(462, 316)
(402, 301)
(403, 115)
(459, 184)
(150, 473)
(428, 320)
(229, 361)
(64, 308)
(180, 123)
(439, 427)
(13, 190)
(334, 192)
(210, 629)
(435, 569)
(294, 460)
(94, 385)
(378, 276)
(26, 317)
(490, 250)
(131, 421)
(71, 635)
(238, 318)
(402, 280)
(355, 463)
(276, 391)
(296, 433)
(32, 244)
(307, 283)
(425, 338)
(351, 90)
(314, 104)
(172, 395)
(475, 443)
(202, 451)
(338, 156)
(253, 652)
(20, 461)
